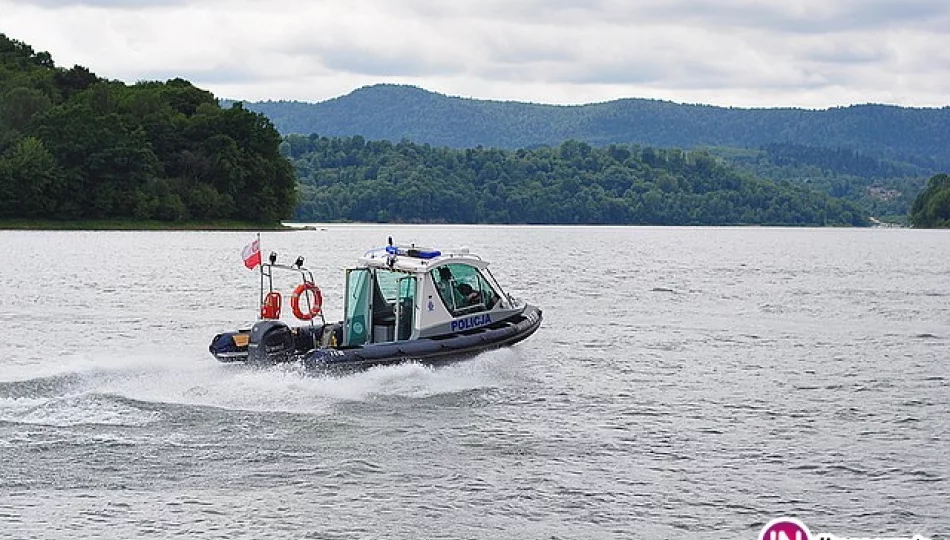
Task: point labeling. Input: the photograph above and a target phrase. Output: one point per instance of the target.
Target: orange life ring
(306, 288)
(270, 309)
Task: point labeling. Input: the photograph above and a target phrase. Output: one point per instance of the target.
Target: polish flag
(252, 254)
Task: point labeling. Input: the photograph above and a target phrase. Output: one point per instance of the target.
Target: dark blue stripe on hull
(427, 350)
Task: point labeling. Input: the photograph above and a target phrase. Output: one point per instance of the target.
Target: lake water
(686, 383)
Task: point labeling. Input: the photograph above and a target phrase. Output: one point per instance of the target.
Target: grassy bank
(127, 225)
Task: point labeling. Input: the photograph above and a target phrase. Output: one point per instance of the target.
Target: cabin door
(359, 285)
(405, 307)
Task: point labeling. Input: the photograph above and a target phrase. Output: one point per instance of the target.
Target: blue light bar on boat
(423, 253)
(419, 253)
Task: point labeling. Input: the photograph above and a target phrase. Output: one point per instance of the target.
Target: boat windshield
(388, 282)
(356, 306)
(379, 306)
(463, 289)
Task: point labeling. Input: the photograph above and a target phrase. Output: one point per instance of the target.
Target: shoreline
(237, 226)
(121, 225)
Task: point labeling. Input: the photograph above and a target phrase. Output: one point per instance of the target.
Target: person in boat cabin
(471, 295)
(455, 295)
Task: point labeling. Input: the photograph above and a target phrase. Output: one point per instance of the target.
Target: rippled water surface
(686, 383)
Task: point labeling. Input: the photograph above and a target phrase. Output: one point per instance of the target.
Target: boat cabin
(402, 293)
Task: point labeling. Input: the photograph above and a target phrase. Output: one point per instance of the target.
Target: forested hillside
(918, 137)
(931, 210)
(75, 146)
(878, 156)
(352, 179)
(884, 188)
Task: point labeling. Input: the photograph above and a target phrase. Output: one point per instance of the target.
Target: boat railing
(306, 277)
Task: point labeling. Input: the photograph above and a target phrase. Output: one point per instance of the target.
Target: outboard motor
(270, 342)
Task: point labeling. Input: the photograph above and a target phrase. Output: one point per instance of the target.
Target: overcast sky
(758, 53)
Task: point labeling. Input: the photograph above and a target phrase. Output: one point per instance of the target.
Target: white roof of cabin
(378, 258)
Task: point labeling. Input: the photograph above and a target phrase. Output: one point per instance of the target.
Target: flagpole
(260, 296)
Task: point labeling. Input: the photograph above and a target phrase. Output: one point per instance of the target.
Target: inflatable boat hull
(271, 342)
(429, 350)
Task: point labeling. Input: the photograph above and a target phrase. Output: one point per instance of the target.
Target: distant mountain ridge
(919, 136)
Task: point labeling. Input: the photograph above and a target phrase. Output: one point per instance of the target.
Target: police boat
(401, 304)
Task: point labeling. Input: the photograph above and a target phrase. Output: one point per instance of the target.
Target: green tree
(31, 179)
(19, 105)
(74, 146)
(931, 209)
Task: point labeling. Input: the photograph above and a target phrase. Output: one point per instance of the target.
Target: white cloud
(810, 53)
